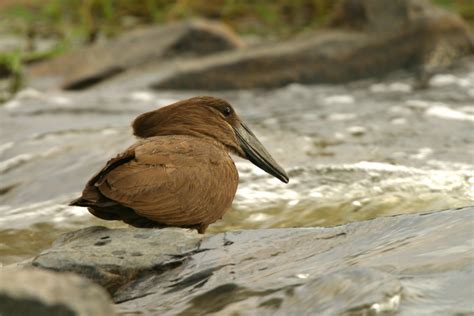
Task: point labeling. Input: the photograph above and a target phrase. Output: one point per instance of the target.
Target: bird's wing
(90, 195)
(149, 183)
(139, 182)
(168, 180)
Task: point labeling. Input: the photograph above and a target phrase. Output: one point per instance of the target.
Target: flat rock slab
(418, 264)
(116, 257)
(87, 66)
(43, 293)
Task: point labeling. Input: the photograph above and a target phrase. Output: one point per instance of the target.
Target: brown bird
(179, 173)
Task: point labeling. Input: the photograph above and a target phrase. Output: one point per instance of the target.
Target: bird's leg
(201, 228)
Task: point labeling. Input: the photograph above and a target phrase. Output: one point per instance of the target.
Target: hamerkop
(179, 172)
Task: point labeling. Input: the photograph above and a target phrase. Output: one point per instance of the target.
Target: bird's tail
(80, 201)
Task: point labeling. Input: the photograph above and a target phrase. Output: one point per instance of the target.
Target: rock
(44, 293)
(117, 257)
(366, 290)
(418, 264)
(88, 66)
(391, 35)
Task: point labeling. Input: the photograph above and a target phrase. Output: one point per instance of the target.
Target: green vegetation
(84, 20)
(74, 23)
(465, 8)
(10, 66)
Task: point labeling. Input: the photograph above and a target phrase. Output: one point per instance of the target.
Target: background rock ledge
(417, 264)
(90, 65)
(391, 35)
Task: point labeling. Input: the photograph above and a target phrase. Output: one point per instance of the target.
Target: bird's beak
(257, 154)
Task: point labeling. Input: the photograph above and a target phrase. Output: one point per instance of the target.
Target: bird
(179, 172)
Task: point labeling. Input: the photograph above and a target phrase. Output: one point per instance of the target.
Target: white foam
(382, 182)
(423, 153)
(342, 116)
(109, 131)
(417, 104)
(392, 87)
(390, 305)
(399, 121)
(441, 80)
(14, 161)
(12, 104)
(259, 217)
(356, 130)
(142, 96)
(446, 112)
(29, 93)
(61, 100)
(5, 146)
(339, 99)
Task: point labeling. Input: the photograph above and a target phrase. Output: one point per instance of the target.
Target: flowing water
(353, 152)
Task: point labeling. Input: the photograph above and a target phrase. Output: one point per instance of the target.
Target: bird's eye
(227, 111)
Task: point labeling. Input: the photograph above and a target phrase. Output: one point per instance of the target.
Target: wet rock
(391, 35)
(365, 290)
(409, 264)
(43, 293)
(88, 66)
(117, 257)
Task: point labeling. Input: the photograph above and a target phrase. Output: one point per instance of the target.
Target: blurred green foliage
(10, 66)
(76, 22)
(465, 8)
(84, 19)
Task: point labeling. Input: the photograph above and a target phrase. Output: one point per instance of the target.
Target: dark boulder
(367, 38)
(88, 66)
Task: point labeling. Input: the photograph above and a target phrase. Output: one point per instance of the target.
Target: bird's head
(208, 117)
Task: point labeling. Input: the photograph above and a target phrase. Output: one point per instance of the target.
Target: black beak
(257, 154)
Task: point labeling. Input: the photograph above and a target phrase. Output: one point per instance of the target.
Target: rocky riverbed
(417, 264)
(353, 152)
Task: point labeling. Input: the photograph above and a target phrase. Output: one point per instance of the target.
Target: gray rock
(117, 257)
(85, 67)
(419, 264)
(359, 291)
(408, 34)
(44, 293)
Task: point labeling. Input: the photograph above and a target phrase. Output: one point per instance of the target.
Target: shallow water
(353, 152)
